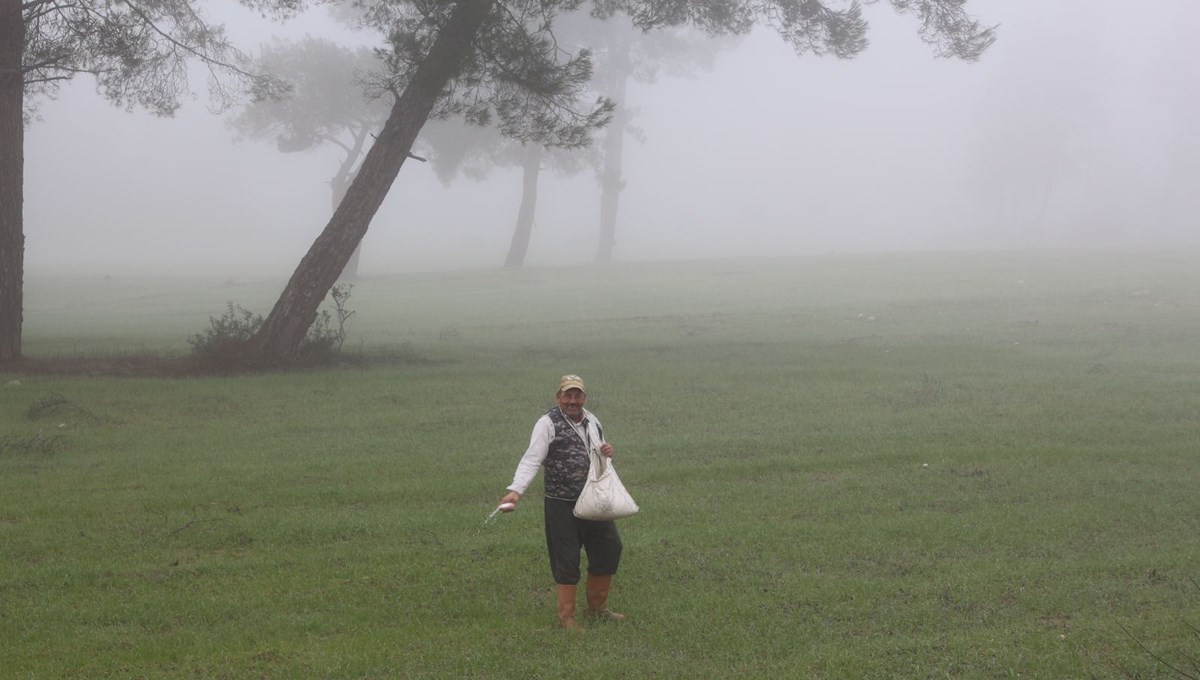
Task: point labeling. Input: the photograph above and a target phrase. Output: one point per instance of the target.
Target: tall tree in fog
(618, 49)
(474, 151)
(138, 53)
(626, 53)
(12, 170)
(499, 60)
(330, 102)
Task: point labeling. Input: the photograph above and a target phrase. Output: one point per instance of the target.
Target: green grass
(771, 418)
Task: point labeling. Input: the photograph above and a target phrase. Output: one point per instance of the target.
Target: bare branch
(48, 10)
(47, 79)
(34, 3)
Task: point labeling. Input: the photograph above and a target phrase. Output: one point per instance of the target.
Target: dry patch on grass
(160, 366)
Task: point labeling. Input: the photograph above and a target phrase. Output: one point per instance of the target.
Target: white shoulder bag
(604, 496)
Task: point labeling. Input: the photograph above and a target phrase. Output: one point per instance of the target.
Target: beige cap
(569, 382)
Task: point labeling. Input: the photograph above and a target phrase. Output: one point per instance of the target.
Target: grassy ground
(774, 420)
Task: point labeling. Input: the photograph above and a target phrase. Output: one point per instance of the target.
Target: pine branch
(208, 59)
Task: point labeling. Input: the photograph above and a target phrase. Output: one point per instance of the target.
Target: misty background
(1079, 127)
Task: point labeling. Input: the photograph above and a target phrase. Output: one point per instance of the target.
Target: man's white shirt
(539, 446)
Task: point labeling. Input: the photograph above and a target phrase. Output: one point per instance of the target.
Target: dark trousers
(566, 534)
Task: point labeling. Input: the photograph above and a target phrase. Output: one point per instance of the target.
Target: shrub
(324, 339)
(227, 334)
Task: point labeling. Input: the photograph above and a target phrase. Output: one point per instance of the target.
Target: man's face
(571, 403)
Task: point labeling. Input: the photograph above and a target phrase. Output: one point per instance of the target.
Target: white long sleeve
(531, 462)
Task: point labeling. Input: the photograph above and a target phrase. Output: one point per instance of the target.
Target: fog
(1080, 127)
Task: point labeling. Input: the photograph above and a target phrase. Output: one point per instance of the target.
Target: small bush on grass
(324, 339)
(227, 334)
(225, 340)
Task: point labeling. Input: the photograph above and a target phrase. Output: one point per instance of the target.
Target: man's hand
(606, 450)
(510, 497)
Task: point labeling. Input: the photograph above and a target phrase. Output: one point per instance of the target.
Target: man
(560, 444)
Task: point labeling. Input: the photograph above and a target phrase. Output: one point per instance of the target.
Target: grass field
(906, 466)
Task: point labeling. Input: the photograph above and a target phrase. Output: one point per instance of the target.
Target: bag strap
(598, 461)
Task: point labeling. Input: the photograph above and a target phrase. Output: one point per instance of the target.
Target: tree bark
(12, 172)
(287, 324)
(350, 272)
(531, 169)
(340, 185)
(611, 182)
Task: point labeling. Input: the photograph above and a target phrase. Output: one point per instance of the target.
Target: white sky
(1080, 126)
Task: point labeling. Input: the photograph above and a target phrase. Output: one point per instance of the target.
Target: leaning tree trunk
(341, 183)
(350, 272)
(531, 168)
(282, 333)
(611, 182)
(12, 169)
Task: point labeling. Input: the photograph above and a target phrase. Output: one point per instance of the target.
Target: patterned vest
(567, 461)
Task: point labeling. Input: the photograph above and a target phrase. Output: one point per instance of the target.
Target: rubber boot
(597, 598)
(566, 607)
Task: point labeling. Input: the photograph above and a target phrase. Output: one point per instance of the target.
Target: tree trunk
(287, 324)
(532, 167)
(350, 272)
(611, 182)
(339, 186)
(341, 183)
(12, 171)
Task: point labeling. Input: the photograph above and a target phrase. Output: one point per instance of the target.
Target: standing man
(560, 443)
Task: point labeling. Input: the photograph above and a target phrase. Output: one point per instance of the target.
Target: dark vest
(567, 461)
